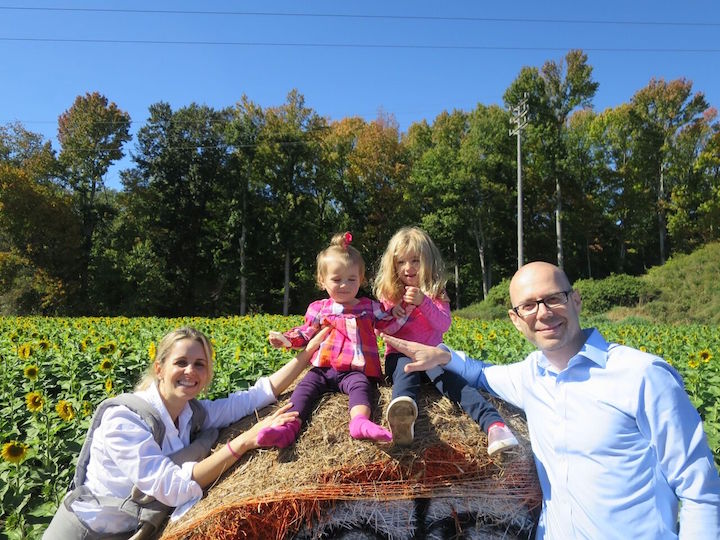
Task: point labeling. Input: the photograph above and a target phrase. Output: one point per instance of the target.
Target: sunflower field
(55, 371)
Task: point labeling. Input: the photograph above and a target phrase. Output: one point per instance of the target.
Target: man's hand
(423, 357)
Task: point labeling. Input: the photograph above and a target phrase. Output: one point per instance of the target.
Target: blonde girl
(411, 282)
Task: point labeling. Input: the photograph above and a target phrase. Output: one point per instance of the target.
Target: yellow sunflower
(35, 401)
(705, 355)
(693, 363)
(43, 344)
(14, 451)
(108, 385)
(106, 364)
(31, 372)
(65, 410)
(151, 351)
(24, 351)
(107, 348)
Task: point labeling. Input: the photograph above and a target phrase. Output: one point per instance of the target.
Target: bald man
(617, 443)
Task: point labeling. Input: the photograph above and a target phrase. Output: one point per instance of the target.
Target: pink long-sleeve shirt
(351, 344)
(427, 323)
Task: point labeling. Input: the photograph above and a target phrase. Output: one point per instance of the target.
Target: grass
(686, 289)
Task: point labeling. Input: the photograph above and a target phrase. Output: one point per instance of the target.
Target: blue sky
(411, 59)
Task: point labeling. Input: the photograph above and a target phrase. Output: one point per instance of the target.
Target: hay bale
(329, 485)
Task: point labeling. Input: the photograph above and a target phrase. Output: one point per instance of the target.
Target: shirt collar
(594, 349)
(152, 395)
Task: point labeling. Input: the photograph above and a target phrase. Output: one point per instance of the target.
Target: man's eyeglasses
(552, 301)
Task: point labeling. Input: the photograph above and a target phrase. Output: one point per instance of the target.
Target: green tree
(490, 178)
(661, 112)
(242, 196)
(368, 170)
(708, 163)
(181, 166)
(556, 90)
(91, 135)
(694, 192)
(295, 190)
(587, 199)
(623, 188)
(39, 232)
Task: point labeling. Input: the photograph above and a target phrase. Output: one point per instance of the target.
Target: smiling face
(184, 373)
(407, 268)
(341, 280)
(556, 332)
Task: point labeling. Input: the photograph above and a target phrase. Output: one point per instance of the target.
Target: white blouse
(124, 453)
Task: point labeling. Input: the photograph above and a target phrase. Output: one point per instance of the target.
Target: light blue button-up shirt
(616, 441)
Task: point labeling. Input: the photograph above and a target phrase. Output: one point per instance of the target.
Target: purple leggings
(319, 381)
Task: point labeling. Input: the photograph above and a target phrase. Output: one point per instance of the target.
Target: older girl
(411, 280)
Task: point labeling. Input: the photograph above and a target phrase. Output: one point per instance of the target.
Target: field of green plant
(54, 372)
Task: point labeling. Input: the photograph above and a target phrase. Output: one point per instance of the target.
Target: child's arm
(437, 313)
(385, 321)
(283, 377)
(298, 337)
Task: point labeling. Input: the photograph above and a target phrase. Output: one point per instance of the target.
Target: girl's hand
(278, 418)
(413, 295)
(277, 340)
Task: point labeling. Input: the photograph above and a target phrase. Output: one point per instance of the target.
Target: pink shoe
(500, 438)
(279, 436)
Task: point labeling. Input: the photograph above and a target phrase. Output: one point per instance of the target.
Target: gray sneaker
(401, 415)
(500, 438)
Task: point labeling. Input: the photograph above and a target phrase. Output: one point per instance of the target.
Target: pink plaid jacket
(351, 344)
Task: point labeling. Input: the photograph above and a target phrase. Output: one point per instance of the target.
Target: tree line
(224, 210)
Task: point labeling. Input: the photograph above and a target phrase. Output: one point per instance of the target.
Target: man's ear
(577, 300)
(516, 319)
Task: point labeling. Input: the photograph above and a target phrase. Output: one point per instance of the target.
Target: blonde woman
(138, 462)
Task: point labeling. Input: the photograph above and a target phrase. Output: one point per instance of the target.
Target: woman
(135, 454)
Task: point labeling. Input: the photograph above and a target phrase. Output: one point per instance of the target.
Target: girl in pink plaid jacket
(348, 360)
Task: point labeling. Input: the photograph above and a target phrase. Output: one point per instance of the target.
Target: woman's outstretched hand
(423, 357)
(317, 340)
(276, 419)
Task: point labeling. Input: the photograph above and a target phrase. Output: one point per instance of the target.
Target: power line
(357, 45)
(365, 16)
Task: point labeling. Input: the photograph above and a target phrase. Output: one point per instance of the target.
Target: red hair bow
(347, 238)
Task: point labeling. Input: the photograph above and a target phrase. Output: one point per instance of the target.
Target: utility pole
(519, 118)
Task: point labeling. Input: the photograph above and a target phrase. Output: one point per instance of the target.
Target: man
(616, 441)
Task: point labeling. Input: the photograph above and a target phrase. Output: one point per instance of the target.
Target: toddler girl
(411, 281)
(348, 360)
